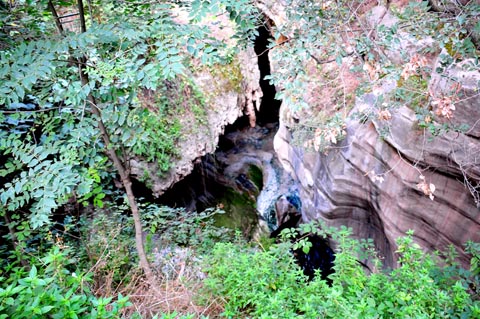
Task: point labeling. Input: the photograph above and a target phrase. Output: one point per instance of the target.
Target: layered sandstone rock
(371, 184)
(390, 174)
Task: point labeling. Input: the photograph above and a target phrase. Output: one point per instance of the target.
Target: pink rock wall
(389, 175)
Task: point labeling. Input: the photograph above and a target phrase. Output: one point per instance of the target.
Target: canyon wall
(387, 169)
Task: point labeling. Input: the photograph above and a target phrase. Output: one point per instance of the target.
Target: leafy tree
(71, 100)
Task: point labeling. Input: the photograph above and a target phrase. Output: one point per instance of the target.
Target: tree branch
(326, 61)
(55, 17)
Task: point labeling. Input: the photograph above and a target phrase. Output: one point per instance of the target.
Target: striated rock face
(389, 174)
(345, 186)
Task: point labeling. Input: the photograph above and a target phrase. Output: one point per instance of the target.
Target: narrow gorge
(240, 159)
(243, 176)
(383, 173)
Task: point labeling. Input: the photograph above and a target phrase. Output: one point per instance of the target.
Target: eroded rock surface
(389, 174)
(227, 100)
(345, 186)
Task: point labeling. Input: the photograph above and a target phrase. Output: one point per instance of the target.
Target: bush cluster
(245, 280)
(276, 287)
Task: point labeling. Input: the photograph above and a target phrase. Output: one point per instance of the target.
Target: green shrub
(268, 284)
(50, 290)
(107, 247)
(178, 227)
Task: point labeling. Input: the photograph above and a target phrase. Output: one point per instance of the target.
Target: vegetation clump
(277, 288)
(210, 272)
(79, 100)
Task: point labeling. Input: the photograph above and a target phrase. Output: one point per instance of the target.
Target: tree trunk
(112, 154)
(127, 183)
(58, 23)
(120, 167)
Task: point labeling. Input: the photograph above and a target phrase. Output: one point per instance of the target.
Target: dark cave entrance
(208, 184)
(269, 107)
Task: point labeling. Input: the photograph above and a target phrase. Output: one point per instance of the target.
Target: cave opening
(232, 178)
(269, 106)
(238, 179)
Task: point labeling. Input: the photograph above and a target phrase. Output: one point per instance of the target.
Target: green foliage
(176, 315)
(249, 290)
(44, 171)
(51, 151)
(413, 91)
(276, 287)
(107, 246)
(96, 256)
(50, 290)
(107, 238)
(326, 38)
(58, 285)
(319, 132)
(183, 96)
(243, 12)
(229, 76)
(153, 136)
(57, 153)
(177, 226)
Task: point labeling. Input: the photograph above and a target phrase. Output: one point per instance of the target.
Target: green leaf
(338, 60)
(10, 301)
(33, 272)
(476, 28)
(32, 163)
(306, 247)
(46, 309)
(191, 50)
